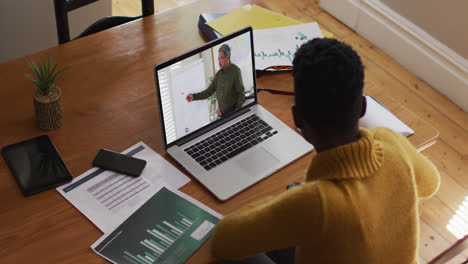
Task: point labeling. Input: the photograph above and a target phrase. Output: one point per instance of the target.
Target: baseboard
(423, 55)
(347, 11)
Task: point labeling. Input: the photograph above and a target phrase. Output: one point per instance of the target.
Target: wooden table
(109, 101)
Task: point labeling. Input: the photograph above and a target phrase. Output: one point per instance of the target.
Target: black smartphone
(121, 163)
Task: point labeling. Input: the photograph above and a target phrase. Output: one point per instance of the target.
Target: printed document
(277, 46)
(378, 115)
(107, 198)
(170, 227)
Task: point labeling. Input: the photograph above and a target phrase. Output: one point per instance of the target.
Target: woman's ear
(364, 106)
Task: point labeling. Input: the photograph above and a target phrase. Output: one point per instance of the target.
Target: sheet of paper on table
(378, 115)
(107, 198)
(168, 228)
(277, 46)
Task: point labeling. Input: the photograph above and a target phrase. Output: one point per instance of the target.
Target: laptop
(225, 150)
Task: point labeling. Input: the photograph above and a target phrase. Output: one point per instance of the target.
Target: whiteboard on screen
(189, 78)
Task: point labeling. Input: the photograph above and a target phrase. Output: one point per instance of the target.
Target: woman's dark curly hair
(328, 83)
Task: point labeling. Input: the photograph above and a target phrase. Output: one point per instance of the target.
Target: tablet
(36, 165)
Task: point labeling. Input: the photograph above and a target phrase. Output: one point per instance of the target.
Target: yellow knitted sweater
(358, 205)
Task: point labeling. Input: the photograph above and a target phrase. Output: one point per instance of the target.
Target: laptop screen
(206, 85)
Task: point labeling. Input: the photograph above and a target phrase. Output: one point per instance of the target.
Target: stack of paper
(145, 219)
(254, 16)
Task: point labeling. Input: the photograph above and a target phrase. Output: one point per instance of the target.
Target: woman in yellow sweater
(359, 200)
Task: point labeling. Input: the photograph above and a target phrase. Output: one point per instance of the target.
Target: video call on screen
(193, 75)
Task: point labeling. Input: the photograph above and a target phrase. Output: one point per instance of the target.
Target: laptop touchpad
(257, 162)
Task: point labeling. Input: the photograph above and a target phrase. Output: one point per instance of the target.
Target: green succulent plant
(44, 75)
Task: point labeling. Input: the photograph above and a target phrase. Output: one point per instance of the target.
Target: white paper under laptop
(226, 151)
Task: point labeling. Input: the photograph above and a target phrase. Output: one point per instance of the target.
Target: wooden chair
(62, 7)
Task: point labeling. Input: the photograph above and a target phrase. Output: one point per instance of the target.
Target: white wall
(445, 69)
(447, 21)
(28, 26)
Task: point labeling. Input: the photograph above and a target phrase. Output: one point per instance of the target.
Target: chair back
(62, 7)
(453, 251)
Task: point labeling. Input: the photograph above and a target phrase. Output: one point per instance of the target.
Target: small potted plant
(46, 95)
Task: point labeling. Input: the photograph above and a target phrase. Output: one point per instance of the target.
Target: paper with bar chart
(108, 198)
(168, 228)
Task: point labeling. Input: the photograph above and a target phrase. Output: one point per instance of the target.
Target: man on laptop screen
(200, 90)
(227, 84)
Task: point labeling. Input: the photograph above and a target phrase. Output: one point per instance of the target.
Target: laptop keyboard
(227, 143)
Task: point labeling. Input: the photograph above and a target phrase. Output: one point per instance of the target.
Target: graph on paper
(166, 229)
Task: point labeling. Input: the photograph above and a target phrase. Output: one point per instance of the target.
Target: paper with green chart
(168, 228)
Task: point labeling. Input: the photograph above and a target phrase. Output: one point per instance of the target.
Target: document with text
(107, 198)
(168, 228)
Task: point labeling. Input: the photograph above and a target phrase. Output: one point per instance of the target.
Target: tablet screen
(36, 165)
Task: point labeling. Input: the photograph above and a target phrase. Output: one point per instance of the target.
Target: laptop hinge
(213, 126)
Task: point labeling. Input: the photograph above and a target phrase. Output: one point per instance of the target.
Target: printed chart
(277, 46)
(166, 229)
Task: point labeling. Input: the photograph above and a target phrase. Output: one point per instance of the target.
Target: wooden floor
(133, 7)
(450, 154)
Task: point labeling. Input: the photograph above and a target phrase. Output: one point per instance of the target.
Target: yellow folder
(255, 16)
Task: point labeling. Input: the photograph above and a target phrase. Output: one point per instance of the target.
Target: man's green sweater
(229, 89)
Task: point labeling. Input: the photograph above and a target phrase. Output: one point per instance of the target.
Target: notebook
(230, 144)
